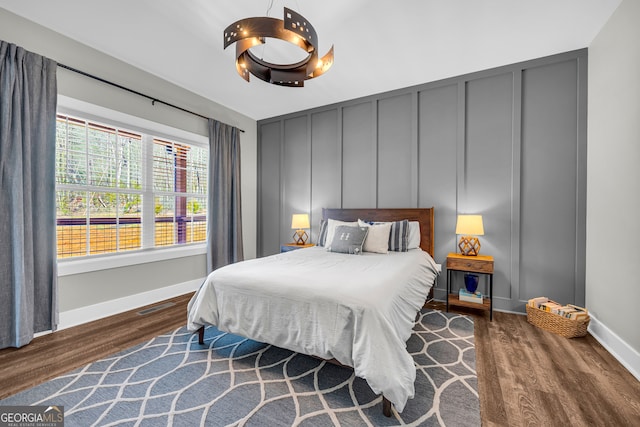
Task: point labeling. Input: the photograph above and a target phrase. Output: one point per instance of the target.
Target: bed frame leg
(201, 335)
(430, 296)
(386, 407)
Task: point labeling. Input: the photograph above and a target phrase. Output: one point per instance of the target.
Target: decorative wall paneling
(269, 191)
(508, 143)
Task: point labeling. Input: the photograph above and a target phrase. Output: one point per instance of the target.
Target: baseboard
(109, 308)
(623, 352)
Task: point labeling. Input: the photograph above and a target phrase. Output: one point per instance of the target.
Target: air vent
(156, 308)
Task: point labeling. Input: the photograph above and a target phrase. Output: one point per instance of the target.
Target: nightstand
(479, 264)
(293, 246)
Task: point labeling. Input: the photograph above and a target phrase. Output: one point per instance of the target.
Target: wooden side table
(293, 246)
(482, 264)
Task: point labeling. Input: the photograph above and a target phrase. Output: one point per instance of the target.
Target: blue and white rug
(231, 381)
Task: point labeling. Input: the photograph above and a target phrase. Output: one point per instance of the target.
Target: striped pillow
(322, 237)
(399, 236)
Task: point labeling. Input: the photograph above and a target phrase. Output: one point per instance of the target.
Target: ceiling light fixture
(295, 29)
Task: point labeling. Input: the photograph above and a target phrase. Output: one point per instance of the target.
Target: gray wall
(81, 290)
(508, 143)
(612, 285)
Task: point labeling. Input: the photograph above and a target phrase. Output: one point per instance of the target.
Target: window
(120, 190)
(180, 189)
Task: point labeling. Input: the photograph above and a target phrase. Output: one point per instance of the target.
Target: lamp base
(300, 237)
(469, 246)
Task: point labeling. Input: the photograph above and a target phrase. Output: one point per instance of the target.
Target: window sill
(68, 267)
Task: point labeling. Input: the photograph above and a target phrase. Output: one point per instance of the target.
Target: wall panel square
(396, 152)
(359, 170)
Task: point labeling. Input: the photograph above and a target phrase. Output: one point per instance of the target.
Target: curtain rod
(153, 100)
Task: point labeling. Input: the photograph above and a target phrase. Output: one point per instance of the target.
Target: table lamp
(299, 222)
(469, 226)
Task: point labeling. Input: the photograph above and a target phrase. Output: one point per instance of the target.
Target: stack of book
(568, 311)
(475, 297)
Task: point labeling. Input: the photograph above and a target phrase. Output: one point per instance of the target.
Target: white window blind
(180, 190)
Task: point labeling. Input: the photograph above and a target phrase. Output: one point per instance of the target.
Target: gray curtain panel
(28, 276)
(224, 221)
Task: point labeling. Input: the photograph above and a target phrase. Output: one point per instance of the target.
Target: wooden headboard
(423, 215)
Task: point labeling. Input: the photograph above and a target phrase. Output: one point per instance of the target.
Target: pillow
(322, 236)
(414, 235)
(348, 239)
(378, 237)
(399, 236)
(331, 228)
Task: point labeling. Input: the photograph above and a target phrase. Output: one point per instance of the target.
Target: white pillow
(378, 237)
(331, 229)
(414, 235)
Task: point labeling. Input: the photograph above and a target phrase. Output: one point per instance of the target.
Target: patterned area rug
(232, 381)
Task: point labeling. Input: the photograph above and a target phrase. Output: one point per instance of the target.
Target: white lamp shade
(470, 225)
(299, 221)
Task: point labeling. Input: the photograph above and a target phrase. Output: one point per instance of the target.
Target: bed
(358, 310)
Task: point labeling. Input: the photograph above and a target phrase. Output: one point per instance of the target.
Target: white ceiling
(379, 45)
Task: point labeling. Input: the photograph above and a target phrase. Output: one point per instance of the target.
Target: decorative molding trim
(623, 352)
(445, 118)
(109, 308)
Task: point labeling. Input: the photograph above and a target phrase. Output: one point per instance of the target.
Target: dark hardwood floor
(530, 377)
(52, 355)
(526, 376)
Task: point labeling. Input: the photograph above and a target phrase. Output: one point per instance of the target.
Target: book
(566, 311)
(475, 297)
(580, 313)
(535, 302)
(578, 316)
(550, 306)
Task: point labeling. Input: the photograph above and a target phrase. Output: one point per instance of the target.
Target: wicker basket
(568, 328)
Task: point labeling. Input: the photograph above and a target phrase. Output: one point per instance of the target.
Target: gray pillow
(348, 239)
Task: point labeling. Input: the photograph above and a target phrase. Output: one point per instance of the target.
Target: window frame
(149, 129)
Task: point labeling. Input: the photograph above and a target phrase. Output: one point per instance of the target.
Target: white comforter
(358, 309)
